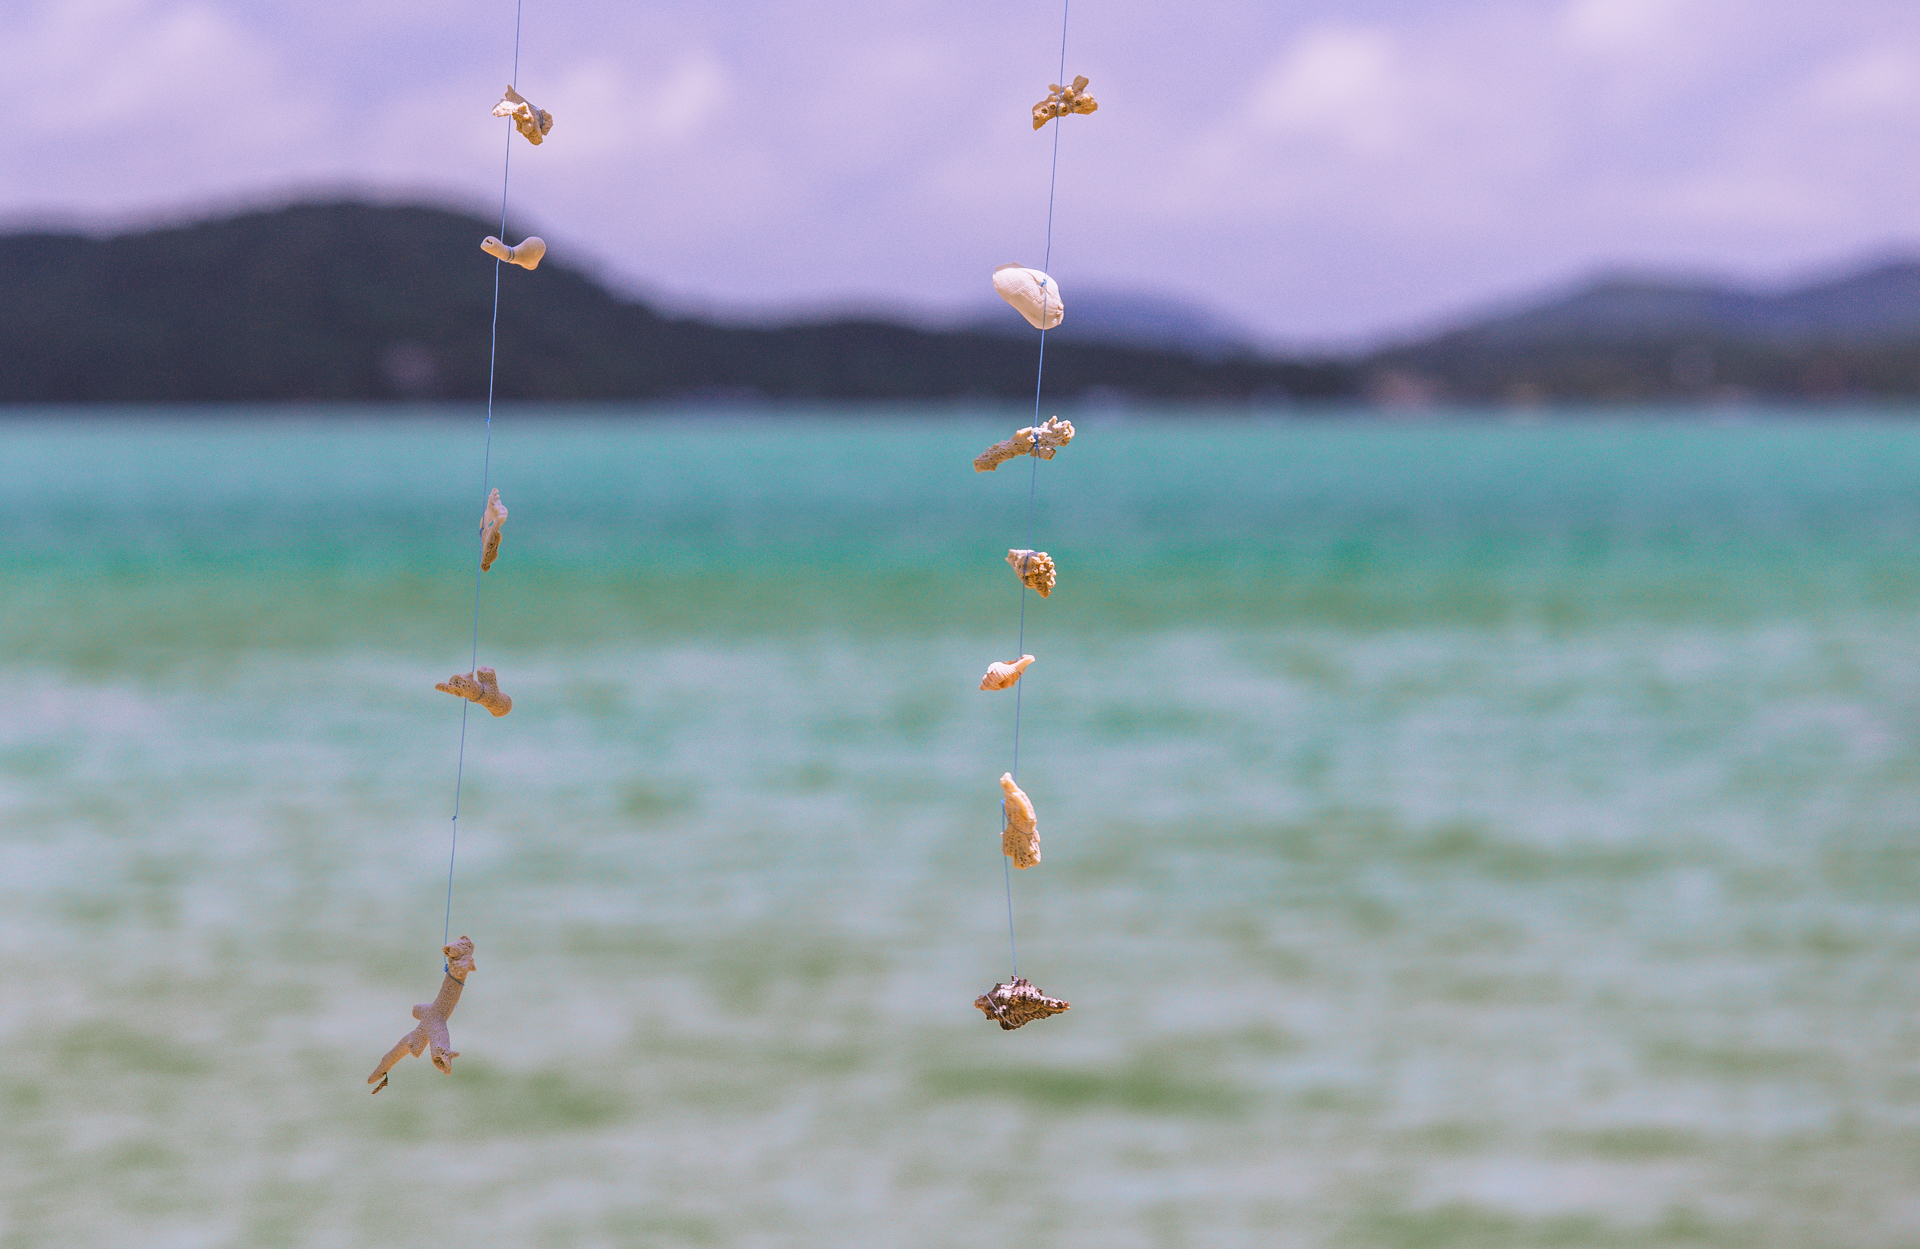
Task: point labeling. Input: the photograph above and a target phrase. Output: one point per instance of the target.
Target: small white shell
(1032, 293)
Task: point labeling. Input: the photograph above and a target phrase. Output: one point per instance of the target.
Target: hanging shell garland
(1039, 441)
(532, 122)
(1035, 568)
(1017, 1002)
(481, 687)
(431, 1034)
(1063, 100)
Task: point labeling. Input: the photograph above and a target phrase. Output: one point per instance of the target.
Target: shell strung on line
(1020, 836)
(1039, 441)
(491, 521)
(1002, 676)
(482, 687)
(431, 1034)
(1063, 100)
(1033, 294)
(1017, 1002)
(530, 121)
(526, 253)
(1035, 568)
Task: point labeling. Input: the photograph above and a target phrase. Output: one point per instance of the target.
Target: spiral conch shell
(491, 520)
(1035, 568)
(1002, 676)
(431, 1034)
(1017, 1002)
(1033, 294)
(481, 687)
(1063, 100)
(526, 253)
(1020, 839)
(1039, 441)
(532, 122)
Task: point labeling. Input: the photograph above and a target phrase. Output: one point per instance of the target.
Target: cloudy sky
(1322, 171)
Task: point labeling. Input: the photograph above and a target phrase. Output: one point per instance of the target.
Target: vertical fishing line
(1033, 484)
(486, 482)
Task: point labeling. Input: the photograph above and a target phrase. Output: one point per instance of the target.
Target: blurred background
(1474, 735)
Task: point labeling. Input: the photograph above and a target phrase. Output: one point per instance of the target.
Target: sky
(1323, 173)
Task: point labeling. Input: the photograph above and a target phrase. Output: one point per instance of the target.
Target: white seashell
(1002, 676)
(526, 254)
(1032, 293)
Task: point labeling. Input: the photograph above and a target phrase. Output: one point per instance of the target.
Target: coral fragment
(431, 1034)
(1061, 101)
(482, 687)
(1039, 441)
(526, 253)
(532, 122)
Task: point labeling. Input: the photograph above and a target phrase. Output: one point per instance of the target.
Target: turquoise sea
(1457, 834)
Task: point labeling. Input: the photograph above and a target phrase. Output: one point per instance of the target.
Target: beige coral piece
(481, 687)
(528, 120)
(1017, 1002)
(1035, 568)
(1020, 836)
(1002, 676)
(1033, 294)
(491, 520)
(1039, 441)
(1063, 100)
(431, 1034)
(527, 253)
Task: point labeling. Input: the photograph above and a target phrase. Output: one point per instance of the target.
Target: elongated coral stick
(1039, 441)
(431, 1034)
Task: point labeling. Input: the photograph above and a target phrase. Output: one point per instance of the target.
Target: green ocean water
(1459, 834)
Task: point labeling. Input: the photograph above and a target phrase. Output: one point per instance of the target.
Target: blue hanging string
(486, 485)
(1033, 488)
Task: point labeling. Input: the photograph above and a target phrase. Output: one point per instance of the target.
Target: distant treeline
(354, 302)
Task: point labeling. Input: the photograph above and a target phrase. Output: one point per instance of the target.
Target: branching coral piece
(1039, 441)
(1060, 101)
(491, 520)
(1033, 294)
(432, 1032)
(481, 687)
(1002, 676)
(528, 120)
(526, 253)
(1017, 1003)
(1020, 835)
(1035, 568)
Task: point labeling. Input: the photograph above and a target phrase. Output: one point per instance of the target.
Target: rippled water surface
(1456, 835)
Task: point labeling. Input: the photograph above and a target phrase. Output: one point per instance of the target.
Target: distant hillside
(1648, 338)
(348, 301)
